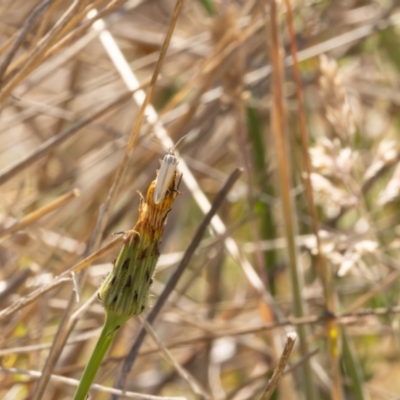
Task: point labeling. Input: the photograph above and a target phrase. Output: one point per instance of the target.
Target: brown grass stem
(39, 213)
(284, 176)
(157, 69)
(31, 20)
(280, 368)
(324, 272)
(64, 277)
(183, 373)
(50, 144)
(33, 60)
(101, 388)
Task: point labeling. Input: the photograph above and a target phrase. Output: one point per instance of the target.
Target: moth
(168, 167)
(167, 170)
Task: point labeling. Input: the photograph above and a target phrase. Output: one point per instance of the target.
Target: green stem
(110, 328)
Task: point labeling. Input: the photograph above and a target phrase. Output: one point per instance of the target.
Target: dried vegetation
(70, 168)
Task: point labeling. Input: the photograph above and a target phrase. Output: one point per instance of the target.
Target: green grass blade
(209, 7)
(263, 210)
(353, 370)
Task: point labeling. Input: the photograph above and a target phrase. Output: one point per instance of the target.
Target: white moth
(167, 170)
(165, 174)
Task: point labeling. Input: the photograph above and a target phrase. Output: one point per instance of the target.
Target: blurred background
(66, 116)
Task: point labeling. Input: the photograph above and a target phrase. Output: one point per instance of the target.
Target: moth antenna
(180, 140)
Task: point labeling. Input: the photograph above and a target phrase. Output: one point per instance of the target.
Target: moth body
(167, 169)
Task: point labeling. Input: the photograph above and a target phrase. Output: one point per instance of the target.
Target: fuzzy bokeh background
(216, 85)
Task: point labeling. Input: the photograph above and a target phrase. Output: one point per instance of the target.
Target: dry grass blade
(195, 386)
(37, 12)
(35, 215)
(64, 277)
(100, 388)
(278, 127)
(280, 368)
(10, 171)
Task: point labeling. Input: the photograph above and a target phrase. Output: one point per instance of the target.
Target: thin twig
(36, 13)
(288, 370)
(37, 53)
(351, 318)
(184, 374)
(100, 388)
(280, 368)
(39, 213)
(40, 151)
(64, 277)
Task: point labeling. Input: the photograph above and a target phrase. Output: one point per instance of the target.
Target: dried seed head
(391, 192)
(125, 290)
(337, 107)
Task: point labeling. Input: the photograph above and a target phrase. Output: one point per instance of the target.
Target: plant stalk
(110, 328)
